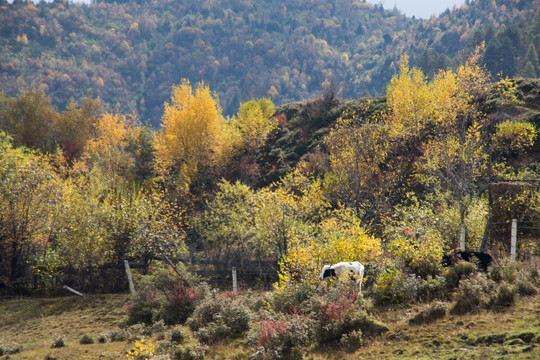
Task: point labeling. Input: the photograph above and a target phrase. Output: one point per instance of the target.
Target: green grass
(512, 333)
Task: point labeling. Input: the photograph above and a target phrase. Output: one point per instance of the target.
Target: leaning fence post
(130, 278)
(462, 238)
(513, 240)
(234, 282)
(73, 290)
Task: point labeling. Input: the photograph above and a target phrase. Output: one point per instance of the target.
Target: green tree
(357, 155)
(226, 229)
(29, 195)
(29, 119)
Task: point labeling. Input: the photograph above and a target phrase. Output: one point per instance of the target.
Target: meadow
(98, 327)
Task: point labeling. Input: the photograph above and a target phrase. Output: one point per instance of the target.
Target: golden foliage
(108, 148)
(514, 137)
(339, 237)
(255, 123)
(194, 136)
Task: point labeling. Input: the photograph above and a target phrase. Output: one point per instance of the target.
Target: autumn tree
(194, 142)
(101, 223)
(456, 164)
(75, 127)
(29, 119)
(255, 123)
(108, 149)
(226, 229)
(29, 194)
(358, 149)
(447, 120)
(339, 236)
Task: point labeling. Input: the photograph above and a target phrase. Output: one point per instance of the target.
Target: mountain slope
(131, 53)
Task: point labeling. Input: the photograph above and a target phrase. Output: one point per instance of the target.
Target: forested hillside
(130, 53)
(275, 188)
(188, 140)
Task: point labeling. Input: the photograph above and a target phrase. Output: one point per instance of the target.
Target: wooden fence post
(73, 290)
(234, 281)
(513, 240)
(462, 238)
(130, 278)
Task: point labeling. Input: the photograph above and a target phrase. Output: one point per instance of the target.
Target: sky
(420, 8)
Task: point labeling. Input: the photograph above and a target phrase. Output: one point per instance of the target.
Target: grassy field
(29, 327)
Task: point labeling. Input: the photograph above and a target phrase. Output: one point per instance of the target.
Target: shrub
(331, 330)
(86, 339)
(205, 313)
(10, 349)
(514, 137)
(158, 327)
(191, 352)
(431, 314)
(504, 271)
(139, 330)
(103, 338)
(361, 321)
(237, 318)
(142, 350)
(165, 347)
(454, 274)
(292, 298)
(473, 294)
(432, 288)
(212, 333)
(163, 296)
(139, 313)
(352, 341)
(119, 335)
(220, 318)
(176, 335)
(393, 287)
(526, 288)
(522, 275)
(280, 339)
(506, 295)
(179, 305)
(58, 342)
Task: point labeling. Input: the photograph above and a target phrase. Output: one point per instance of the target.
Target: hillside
(31, 326)
(130, 53)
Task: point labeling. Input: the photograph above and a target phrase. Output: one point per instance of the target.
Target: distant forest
(131, 53)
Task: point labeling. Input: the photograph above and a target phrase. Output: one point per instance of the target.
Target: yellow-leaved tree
(108, 149)
(442, 118)
(422, 108)
(255, 123)
(195, 139)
